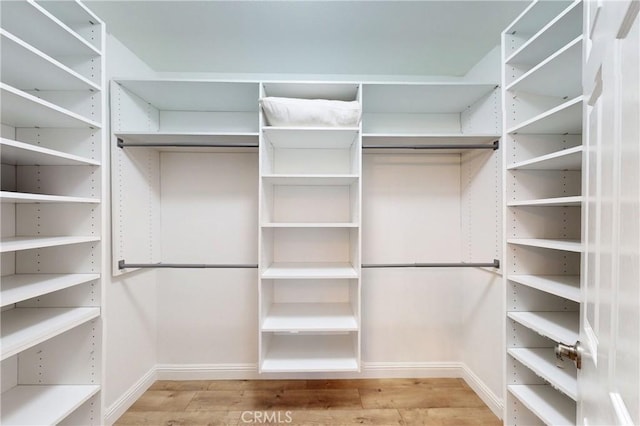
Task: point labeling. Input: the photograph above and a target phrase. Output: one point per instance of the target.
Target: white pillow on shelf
(290, 112)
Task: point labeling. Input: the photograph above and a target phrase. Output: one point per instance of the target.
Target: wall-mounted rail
(494, 146)
(123, 265)
(122, 144)
(494, 264)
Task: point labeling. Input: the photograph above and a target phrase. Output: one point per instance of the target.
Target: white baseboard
(123, 403)
(494, 403)
(408, 370)
(370, 370)
(207, 371)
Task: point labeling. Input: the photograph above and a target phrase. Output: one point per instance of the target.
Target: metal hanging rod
(494, 146)
(494, 264)
(123, 144)
(123, 265)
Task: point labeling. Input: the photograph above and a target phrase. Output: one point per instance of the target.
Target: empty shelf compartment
(310, 353)
(312, 317)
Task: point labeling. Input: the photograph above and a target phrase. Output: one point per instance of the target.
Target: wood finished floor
(383, 402)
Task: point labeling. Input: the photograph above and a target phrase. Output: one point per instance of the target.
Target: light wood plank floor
(384, 402)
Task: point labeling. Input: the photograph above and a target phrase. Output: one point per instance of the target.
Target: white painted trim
(207, 371)
(620, 408)
(397, 370)
(495, 404)
(127, 399)
(378, 370)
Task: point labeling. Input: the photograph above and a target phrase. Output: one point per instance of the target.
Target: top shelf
(442, 98)
(196, 95)
(557, 33)
(38, 27)
(333, 91)
(529, 21)
(78, 17)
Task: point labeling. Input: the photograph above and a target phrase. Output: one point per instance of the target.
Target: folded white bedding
(310, 112)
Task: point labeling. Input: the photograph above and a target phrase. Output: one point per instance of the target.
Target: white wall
(411, 213)
(209, 214)
(207, 319)
(130, 306)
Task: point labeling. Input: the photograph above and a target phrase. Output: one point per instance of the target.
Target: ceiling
(309, 37)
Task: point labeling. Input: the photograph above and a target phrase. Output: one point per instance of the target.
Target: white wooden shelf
(310, 270)
(548, 202)
(540, 11)
(23, 328)
(565, 118)
(310, 353)
(310, 179)
(436, 97)
(555, 244)
(567, 159)
(561, 327)
(545, 402)
(16, 288)
(75, 15)
(565, 27)
(43, 404)
(555, 76)
(23, 197)
(38, 27)
(29, 243)
(311, 137)
(312, 90)
(27, 68)
(20, 109)
(567, 286)
(309, 317)
(24, 154)
(310, 225)
(542, 361)
(196, 95)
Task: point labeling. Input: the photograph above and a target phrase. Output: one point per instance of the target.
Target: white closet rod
(123, 265)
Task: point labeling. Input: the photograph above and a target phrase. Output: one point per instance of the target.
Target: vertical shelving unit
(51, 148)
(542, 60)
(310, 204)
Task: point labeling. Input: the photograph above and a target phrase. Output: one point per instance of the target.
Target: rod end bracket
(496, 263)
(121, 264)
(120, 143)
(496, 145)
